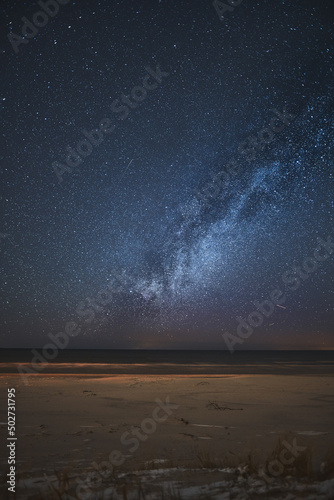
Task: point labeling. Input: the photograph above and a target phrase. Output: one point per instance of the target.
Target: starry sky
(207, 182)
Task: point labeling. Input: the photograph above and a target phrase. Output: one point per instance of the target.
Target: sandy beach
(175, 424)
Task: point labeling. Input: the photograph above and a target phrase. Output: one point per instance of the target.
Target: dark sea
(168, 362)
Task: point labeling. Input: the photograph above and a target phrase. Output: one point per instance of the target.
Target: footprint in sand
(182, 420)
(192, 436)
(213, 405)
(189, 435)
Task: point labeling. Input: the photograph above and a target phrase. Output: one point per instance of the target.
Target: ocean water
(170, 362)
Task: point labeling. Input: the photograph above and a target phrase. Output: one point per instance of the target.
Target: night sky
(207, 188)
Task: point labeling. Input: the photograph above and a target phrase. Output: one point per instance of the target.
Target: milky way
(209, 185)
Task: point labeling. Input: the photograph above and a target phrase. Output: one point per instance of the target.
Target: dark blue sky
(168, 224)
